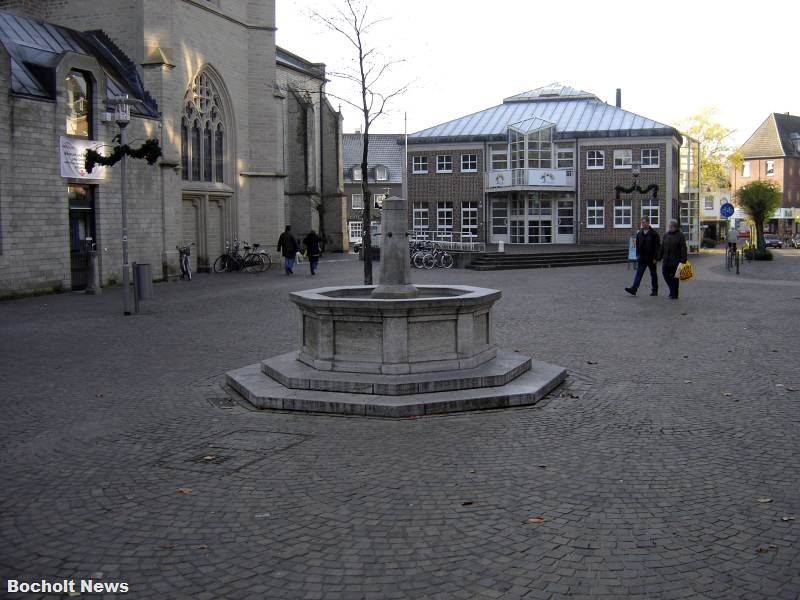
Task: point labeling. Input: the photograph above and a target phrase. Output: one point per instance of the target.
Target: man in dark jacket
(312, 244)
(673, 252)
(288, 247)
(648, 245)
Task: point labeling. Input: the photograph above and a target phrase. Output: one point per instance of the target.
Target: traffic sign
(726, 210)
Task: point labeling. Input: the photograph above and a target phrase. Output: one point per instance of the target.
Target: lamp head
(122, 110)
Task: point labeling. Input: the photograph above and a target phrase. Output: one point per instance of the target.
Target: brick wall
(456, 187)
(599, 184)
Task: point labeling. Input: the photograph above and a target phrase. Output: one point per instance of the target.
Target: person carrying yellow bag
(673, 253)
(685, 271)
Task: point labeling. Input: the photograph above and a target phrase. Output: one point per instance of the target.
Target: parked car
(772, 241)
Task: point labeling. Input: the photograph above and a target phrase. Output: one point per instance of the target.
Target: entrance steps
(495, 261)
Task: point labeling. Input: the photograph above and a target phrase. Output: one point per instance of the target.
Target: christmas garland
(150, 151)
(635, 188)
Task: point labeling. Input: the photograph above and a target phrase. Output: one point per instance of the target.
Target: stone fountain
(396, 349)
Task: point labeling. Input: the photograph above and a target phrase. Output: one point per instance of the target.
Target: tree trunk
(760, 243)
(366, 219)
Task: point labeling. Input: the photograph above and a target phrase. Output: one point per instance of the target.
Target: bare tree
(355, 23)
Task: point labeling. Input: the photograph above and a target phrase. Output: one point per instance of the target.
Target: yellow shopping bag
(685, 272)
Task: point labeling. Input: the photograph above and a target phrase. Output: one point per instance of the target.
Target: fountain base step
(263, 392)
(288, 371)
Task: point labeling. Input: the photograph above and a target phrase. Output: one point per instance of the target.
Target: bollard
(93, 284)
(501, 247)
(142, 283)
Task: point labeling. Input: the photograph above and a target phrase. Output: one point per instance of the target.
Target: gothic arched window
(205, 151)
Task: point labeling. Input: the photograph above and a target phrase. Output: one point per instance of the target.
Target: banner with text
(73, 158)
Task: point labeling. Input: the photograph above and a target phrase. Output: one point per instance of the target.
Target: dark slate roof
(35, 48)
(288, 59)
(774, 137)
(384, 149)
(575, 113)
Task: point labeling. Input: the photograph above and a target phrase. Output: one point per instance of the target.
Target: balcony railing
(508, 178)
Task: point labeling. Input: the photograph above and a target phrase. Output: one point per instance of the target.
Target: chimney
(619, 97)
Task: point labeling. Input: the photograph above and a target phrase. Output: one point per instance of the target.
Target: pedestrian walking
(288, 247)
(673, 252)
(648, 244)
(313, 250)
(732, 238)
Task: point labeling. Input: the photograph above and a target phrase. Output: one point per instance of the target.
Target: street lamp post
(122, 115)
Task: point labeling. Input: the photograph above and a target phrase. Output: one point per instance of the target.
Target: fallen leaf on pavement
(764, 500)
(167, 546)
(185, 490)
(726, 394)
(467, 503)
(687, 381)
(590, 362)
(210, 457)
(201, 547)
(787, 518)
(537, 520)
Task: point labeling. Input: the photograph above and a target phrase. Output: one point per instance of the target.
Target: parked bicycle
(427, 255)
(235, 259)
(185, 252)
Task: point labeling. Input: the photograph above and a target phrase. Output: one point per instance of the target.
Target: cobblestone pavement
(667, 466)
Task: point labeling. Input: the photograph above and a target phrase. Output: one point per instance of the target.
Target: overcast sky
(671, 58)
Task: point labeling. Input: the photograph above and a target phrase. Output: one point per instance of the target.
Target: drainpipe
(321, 211)
(578, 213)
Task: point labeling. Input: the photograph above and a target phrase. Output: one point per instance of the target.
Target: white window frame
(769, 168)
(595, 214)
(706, 200)
(564, 153)
(419, 165)
(746, 168)
(444, 216)
(495, 152)
(357, 175)
(355, 229)
(377, 200)
(623, 158)
(381, 173)
(651, 210)
(419, 217)
(623, 213)
(469, 163)
(595, 159)
(357, 201)
(651, 161)
(442, 160)
(469, 219)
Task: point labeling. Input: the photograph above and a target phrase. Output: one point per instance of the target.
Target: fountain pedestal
(396, 349)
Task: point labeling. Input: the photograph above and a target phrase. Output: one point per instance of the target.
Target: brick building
(384, 177)
(207, 81)
(541, 168)
(772, 153)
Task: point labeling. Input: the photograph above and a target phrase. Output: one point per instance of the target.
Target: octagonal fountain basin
(444, 327)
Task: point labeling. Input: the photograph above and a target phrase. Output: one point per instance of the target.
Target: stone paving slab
(265, 393)
(289, 372)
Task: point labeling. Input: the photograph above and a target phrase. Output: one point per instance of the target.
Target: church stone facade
(204, 76)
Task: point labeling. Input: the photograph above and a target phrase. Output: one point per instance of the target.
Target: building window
(770, 168)
(381, 173)
(651, 158)
(709, 202)
(419, 219)
(79, 104)
(469, 163)
(623, 159)
(354, 230)
(622, 213)
(516, 144)
(565, 156)
(419, 165)
(499, 156)
(377, 200)
(595, 214)
(357, 201)
(746, 169)
(444, 163)
(469, 219)
(595, 159)
(203, 145)
(499, 217)
(444, 216)
(651, 211)
(540, 149)
(356, 173)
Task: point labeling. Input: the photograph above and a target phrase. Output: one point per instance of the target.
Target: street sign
(726, 210)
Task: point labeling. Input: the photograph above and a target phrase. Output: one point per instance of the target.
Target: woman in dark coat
(312, 244)
(288, 247)
(673, 251)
